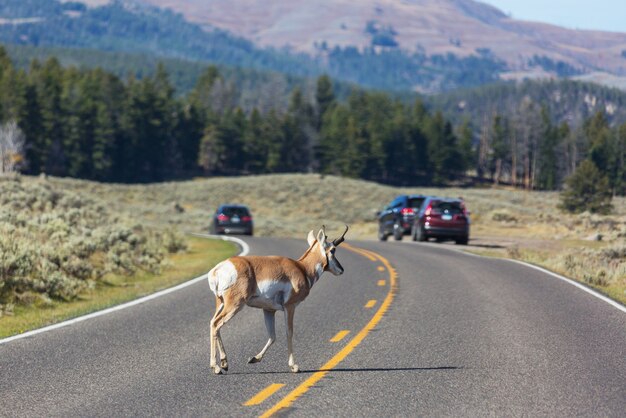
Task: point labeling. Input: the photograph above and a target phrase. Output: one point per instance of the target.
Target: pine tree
(466, 145)
(500, 147)
(548, 164)
(48, 82)
(620, 181)
(587, 190)
(324, 97)
(444, 156)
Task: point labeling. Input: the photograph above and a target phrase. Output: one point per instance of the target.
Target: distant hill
(438, 27)
(425, 46)
(129, 27)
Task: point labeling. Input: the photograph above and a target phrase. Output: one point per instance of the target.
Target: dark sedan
(232, 219)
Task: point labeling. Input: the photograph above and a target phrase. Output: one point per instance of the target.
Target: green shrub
(587, 190)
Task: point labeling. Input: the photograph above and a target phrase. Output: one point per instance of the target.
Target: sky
(609, 15)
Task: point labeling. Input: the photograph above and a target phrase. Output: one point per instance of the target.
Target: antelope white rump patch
(221, 277)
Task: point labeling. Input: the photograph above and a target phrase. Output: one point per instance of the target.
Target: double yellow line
(292, 396)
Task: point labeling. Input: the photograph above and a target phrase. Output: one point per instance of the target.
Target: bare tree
(11, 147)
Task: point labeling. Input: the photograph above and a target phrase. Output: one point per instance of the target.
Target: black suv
(232, 219)
(397, 217)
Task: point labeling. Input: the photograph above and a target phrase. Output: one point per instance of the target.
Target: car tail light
(432, 212)
(408, 211)
(246, 218)
(222, 218)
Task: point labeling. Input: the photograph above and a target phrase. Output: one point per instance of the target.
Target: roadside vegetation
(97, 244)
(115, 289)
(505, 222)
(59, 245)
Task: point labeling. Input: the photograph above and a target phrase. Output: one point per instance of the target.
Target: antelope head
(327, 250)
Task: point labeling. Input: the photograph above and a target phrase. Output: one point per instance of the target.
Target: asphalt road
(456, 335)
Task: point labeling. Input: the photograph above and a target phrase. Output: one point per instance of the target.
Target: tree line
(528, 149)
(91, 124)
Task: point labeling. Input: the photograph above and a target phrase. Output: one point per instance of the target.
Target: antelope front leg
(289, 311)
(271, 331)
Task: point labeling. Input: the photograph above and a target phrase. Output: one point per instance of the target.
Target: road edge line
(245, 249)
(572, 282)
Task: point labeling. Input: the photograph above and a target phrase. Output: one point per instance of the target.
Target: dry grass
(505, 222)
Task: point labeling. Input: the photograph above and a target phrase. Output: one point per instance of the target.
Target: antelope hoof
(253, 360)
(295, 368)
(224, 364)
(218, 370)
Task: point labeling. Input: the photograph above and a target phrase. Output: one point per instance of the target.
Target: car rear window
(448, 207)
(415, 202)
(232, 211)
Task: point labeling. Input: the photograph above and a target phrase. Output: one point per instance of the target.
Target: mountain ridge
(460, 27)
(426, 46)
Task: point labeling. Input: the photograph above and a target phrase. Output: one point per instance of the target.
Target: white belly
(271, 295)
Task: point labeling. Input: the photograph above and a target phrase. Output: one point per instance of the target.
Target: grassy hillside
(509, 223)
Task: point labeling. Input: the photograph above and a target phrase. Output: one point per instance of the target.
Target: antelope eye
(332, 251)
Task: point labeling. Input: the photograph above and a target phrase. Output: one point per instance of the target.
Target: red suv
(442, 218)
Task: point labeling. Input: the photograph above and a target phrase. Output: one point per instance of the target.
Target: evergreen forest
(92, 124)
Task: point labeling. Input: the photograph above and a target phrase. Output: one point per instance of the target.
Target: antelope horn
(340, 239)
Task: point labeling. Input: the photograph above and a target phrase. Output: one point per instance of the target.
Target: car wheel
(462, 240)
(381, 233)
(397, 232)
(420, 234)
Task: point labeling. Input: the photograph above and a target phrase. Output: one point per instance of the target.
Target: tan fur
(253, 272)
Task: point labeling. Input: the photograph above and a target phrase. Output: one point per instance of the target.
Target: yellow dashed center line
(381, 283)
(340, 336)
(370, 303)
(264, 394)
(381, 268)
(292, 396)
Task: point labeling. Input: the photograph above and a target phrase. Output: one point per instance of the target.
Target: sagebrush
(55, 243)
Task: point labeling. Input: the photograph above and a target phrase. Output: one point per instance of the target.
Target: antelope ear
(310, 238)
(321, 236)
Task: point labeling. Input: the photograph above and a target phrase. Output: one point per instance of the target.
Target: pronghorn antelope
(270, 283)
